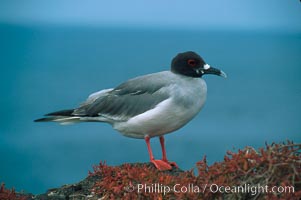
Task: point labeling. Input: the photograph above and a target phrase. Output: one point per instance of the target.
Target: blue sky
(197, 14)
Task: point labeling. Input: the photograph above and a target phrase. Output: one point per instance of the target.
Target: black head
(191, 64)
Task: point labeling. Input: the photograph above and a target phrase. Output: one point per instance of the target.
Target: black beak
(215, 71)
(207, 69)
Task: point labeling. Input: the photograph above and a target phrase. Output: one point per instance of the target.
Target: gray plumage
(127, 100)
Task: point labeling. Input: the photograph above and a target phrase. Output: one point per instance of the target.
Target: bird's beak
(207, 69)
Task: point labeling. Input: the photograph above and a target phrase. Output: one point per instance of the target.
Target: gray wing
(125, 101)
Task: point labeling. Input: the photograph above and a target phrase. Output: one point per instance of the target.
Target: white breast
(187, 97)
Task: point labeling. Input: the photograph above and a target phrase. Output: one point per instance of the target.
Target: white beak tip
(223, 74)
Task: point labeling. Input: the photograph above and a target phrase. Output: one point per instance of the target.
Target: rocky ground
(83, 189)
(275, 166)
(77, 191)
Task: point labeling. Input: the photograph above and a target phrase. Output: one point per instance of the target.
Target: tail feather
(66, 117)
(44, 119)
(62, 116)
(61, 113)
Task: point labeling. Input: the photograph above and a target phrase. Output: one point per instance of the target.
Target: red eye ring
(191, 62)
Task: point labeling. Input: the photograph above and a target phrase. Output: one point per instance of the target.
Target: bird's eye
(191, 62)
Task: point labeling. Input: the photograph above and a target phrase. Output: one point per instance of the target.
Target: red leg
(159, 164)
(150, 152)
(164, 157)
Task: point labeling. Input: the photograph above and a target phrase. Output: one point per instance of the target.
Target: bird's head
(191, 64)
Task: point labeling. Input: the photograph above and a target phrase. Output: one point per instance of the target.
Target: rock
(83, 189)
(77, 191)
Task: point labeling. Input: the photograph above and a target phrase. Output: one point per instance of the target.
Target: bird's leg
(164, 157)
(159, 164)
(147, 140)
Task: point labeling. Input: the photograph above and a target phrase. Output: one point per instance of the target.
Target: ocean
(48, 68)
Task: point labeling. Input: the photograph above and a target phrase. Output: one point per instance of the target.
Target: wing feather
(127, 100)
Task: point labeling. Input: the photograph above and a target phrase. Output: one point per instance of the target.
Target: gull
(148, 106)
